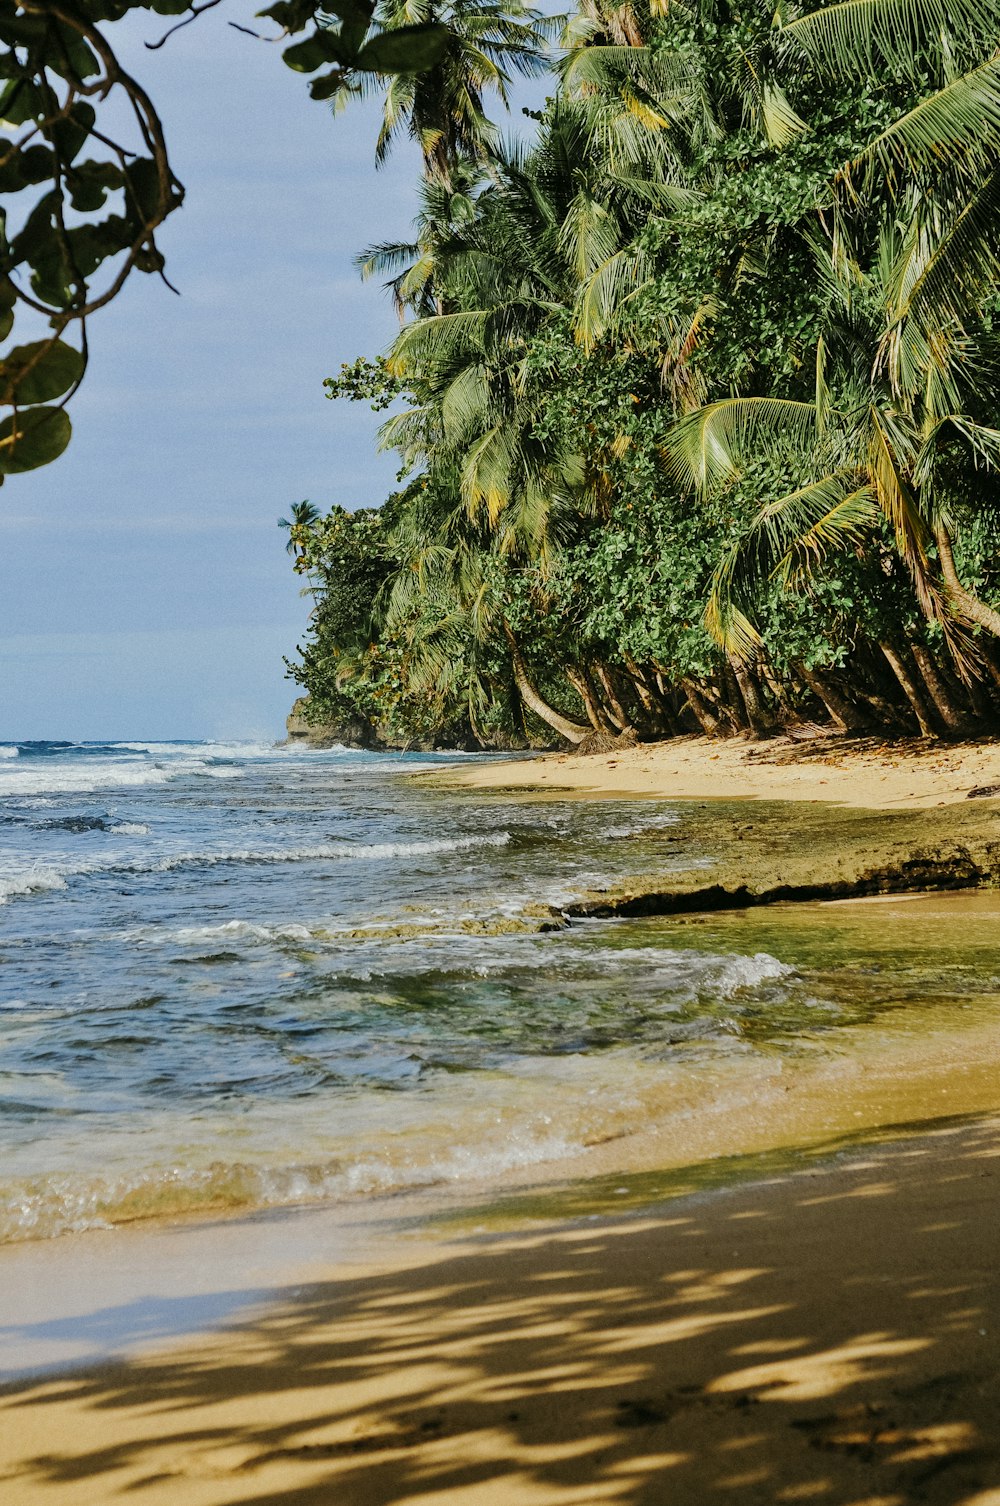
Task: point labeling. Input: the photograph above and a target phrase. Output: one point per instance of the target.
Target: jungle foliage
(695, 395)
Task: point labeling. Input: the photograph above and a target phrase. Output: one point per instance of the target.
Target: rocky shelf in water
(782, 851)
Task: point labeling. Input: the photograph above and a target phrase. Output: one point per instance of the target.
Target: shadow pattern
(829, 1337)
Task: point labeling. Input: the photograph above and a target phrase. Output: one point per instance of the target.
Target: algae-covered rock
(347, 731)
(793, 852)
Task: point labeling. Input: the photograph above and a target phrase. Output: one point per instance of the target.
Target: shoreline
(868, 773)
(825, 1333)
(791, 1300)
(783, 821)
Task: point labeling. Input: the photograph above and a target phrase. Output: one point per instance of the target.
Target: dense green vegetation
(695, 396)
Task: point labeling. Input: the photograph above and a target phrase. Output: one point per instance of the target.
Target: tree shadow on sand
(829, 1337)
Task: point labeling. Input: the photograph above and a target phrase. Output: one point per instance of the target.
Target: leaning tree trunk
(947, 709)
(761, 724)
(701, 708)
(573, 732)
(842, 712)
(618, 713)
(969, 605)
(578, 680)
(914, 693)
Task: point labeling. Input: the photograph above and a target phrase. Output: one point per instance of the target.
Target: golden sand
(877, 776)
(827, 1337)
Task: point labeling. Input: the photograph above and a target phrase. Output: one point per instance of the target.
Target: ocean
(240, 976)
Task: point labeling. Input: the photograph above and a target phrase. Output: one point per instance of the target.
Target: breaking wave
(54, 876)
(44, 1208)
(48, 778)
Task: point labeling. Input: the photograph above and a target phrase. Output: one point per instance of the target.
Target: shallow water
(236, 976)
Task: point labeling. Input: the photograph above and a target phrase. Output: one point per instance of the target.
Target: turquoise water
(237, 976)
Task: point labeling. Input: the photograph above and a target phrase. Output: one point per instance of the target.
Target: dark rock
(350, 731)
(982, 790)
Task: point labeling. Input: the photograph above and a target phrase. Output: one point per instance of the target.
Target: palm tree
(414, 266)
(869, 460)
(444, 108)
(304, 514)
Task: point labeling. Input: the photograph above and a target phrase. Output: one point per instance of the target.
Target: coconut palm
(303, 515)
(413, 267)
(443, 108)
(869, 459)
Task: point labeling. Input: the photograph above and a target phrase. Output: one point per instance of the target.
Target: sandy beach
(826, 1336)
(790, 1298)
(869, 774)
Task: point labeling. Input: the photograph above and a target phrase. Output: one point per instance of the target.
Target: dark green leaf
(39, 372)
(33, 438)
(19, 102)
(322, 47)
(327, 85)
(293, 15)
(405, 49)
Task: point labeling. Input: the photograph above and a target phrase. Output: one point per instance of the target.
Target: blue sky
(145, 588)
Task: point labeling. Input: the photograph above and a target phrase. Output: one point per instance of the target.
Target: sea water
(236, 976)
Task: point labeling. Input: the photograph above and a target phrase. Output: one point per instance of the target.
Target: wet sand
(893, 776)
(827, 1336)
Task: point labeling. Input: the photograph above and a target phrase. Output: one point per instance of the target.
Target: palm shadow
(827, 1337)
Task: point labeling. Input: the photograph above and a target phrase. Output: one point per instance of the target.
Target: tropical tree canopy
(696, 393)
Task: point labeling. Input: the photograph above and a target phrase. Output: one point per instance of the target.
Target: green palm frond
(437, 341)
(782, 125)
(847, 522)
(465, 404)
(982, 441)
(942, 278)
(712, 444)
(788, 538)
(854, 36)
(725, 621)
(959, 121)
(887, 467)
(607, 290)
(488, 472)
(589, 234)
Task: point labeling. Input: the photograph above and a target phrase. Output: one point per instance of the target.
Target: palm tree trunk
(618, 713)
(760, 722)
(968, 604)
(947, 709)
(843, 715)
(640, 687)
(573, 732)
(913, 692)
(578, 680)
(701, 710)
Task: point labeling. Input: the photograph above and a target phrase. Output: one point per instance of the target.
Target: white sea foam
(33, 881)
(129, 829)
(227, 750)
(69, 1203)
(641, 825)
(749, 972)
(233, 929)
(347, 852)
(54, 876)
(49, 776)
(703, 972)
(7, 750)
